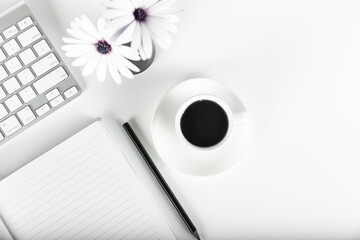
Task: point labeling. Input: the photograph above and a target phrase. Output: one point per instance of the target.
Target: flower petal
(91, 65)
(109, 4)
(119, 4)
(160, 36)
(149, 3)
(137, 3)
(73, 40)
(136, 40)
(76, 25)
(142, 54)
(164, 11)
(101, 70)
(81, 35)
(127, 35)
(169, 17)
(146, 41)
(121, 21)
(87, 26)
(78, 47)
(162, 4)
(161, 23)
(161, 43)
(122, 68)
(127, 52)
(82, 60)
(77, 50)
(114, 13)
(103, 31)
(122, 60)
(113, 71)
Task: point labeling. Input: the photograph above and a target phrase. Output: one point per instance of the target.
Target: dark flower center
(140, 14)
(103, 47)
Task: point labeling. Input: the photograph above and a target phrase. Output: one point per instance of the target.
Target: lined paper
(82, 189)
(4, 233)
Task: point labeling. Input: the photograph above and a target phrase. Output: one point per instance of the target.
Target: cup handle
(241, 117)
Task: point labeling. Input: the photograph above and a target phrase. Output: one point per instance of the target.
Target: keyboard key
(10, 125)
(71, 92)
(3, 111)
(50, 80)
(41, 48)
(51, 95)
(56, 101)
(25, 76)
(2, 94)
(1, 137)
(1, 39)
(45, 64)
(27, 94)
(27, 56)
(13, 65)
(11, 31)
(11, 47)
(25, 23)
(29, 36)
(11, 85)
(26, 115)
(3, 73)
(13, 103)
(2, 56)
(42, 110)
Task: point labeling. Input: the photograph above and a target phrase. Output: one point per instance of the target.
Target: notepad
(82, 189)
(4, 233)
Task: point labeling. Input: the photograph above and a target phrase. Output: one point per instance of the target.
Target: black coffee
(204, 123)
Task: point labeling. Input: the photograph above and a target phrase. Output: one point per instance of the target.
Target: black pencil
(161, 180)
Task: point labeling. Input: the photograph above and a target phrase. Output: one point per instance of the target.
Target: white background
(295, 65)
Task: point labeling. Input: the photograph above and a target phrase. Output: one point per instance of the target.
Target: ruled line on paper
(62, 208)
(134, 229)
(59, 200)
(150, 236)
(123, 219)
(141, 233)
(75, 218)
(69, 205)
(42, 170)
(108, 212)
(46, 193)
(50, 174)
(34, 236)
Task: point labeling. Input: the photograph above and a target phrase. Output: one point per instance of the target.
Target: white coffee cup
(233, 118)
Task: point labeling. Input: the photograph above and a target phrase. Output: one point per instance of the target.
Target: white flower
(143, 21)
(94, 49)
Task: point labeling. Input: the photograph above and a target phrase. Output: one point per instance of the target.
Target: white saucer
(183, 157)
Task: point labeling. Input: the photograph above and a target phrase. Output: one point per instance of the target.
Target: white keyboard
(34, 81)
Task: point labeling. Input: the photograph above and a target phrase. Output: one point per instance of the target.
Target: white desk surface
(295, 64)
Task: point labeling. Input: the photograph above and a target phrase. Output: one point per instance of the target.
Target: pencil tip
(196, 235)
